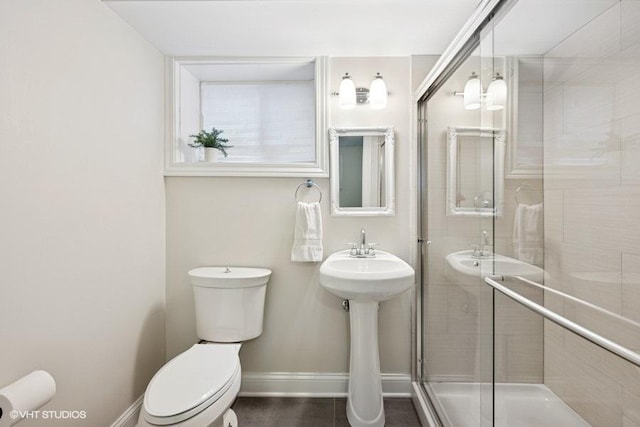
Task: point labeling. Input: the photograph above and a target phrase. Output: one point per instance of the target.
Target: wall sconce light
(347, 92)
(378, 93)
(349, 95)
(496, 93)
(495, 98)
(472, 93)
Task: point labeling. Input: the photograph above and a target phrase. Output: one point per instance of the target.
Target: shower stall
(529, 219)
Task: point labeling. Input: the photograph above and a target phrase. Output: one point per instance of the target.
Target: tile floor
(314, 412)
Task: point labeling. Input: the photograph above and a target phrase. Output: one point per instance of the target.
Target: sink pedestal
(364, 402)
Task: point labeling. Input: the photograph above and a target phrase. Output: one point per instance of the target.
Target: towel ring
(308, 183)
(524, 189)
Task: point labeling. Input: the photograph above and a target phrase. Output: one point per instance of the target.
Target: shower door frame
(467, 39)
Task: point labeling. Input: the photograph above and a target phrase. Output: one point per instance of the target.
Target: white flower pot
(211, 154)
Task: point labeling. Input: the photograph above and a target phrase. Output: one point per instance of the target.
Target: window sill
(306, 170)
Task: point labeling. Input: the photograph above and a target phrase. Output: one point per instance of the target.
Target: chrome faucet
(362, 250)
(484, 244)
(485, 238)
(483, 249)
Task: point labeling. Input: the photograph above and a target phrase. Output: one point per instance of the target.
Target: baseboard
(130, 417)
(313, 384)
(292, 384)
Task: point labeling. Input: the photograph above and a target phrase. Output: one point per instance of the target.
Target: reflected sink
(367, 279)
(463, 262)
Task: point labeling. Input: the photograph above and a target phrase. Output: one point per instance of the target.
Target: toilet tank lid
(202, 373)
(229, 277)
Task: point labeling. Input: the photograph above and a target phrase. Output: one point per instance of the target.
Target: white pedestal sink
(365, 282)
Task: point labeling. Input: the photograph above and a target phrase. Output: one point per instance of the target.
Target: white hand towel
(307, 243)
(528, 233)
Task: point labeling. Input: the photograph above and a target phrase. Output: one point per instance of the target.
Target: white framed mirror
(475, 171)
(362, 171)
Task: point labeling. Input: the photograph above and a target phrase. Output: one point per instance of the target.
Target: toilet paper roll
(29, 393)
(229, 419)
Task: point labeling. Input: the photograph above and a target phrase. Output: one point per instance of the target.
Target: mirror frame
(389, 165)
(499, 137)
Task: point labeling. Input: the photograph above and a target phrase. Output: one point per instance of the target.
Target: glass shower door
(458, 201)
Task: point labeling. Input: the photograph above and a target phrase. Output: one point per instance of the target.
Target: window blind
(271, 122)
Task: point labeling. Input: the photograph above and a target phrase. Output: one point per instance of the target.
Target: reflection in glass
(571, 120)
(475, 171)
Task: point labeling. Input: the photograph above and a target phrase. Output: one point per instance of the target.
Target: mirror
(362, 171)
(524, 113)
(475, 166)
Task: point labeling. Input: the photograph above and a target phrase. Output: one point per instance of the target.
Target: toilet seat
(191, 382)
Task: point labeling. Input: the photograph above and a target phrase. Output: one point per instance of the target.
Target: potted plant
(212, 142)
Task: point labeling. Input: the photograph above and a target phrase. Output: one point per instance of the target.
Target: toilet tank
(229, 302)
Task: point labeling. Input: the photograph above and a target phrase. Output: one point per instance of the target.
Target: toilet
(197, 387)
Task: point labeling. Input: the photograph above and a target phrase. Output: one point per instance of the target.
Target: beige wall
(82, 204)
(592, 242)
(249, 222)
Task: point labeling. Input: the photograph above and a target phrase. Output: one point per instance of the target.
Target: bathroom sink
(365, 282)
(464, 262)
(375, 278)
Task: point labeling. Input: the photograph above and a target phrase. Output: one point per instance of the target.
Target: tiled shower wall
(592, 211)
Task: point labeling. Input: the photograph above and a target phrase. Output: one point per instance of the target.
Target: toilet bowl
(197, 387)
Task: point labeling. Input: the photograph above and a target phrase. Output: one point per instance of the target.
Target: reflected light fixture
(347, 92)
(495, 98)
(496, 93)
(378, 93)
(472, 92)
(350, 95)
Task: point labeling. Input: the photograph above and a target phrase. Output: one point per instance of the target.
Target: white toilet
(197, 387)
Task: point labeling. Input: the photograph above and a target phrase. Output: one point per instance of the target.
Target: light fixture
(350, 95)
(378, 93)
(347, 92)
(496, 93)
(495, 98)
(472, 92)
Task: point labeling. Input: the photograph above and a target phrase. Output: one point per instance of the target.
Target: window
(272, 111)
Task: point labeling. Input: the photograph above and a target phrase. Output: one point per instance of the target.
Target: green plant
(210, 140)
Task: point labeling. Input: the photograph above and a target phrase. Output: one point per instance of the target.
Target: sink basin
(370, 279)
(463, 262)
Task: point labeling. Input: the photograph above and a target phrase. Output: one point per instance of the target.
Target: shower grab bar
(576, 300)
(600, 341)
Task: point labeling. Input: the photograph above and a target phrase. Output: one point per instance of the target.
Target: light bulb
(347, 92)
(497, 93)
(472, 93)
(378, 93)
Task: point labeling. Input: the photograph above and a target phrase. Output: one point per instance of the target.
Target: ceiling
(532, 27)
(296, 27)
(344, 27)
